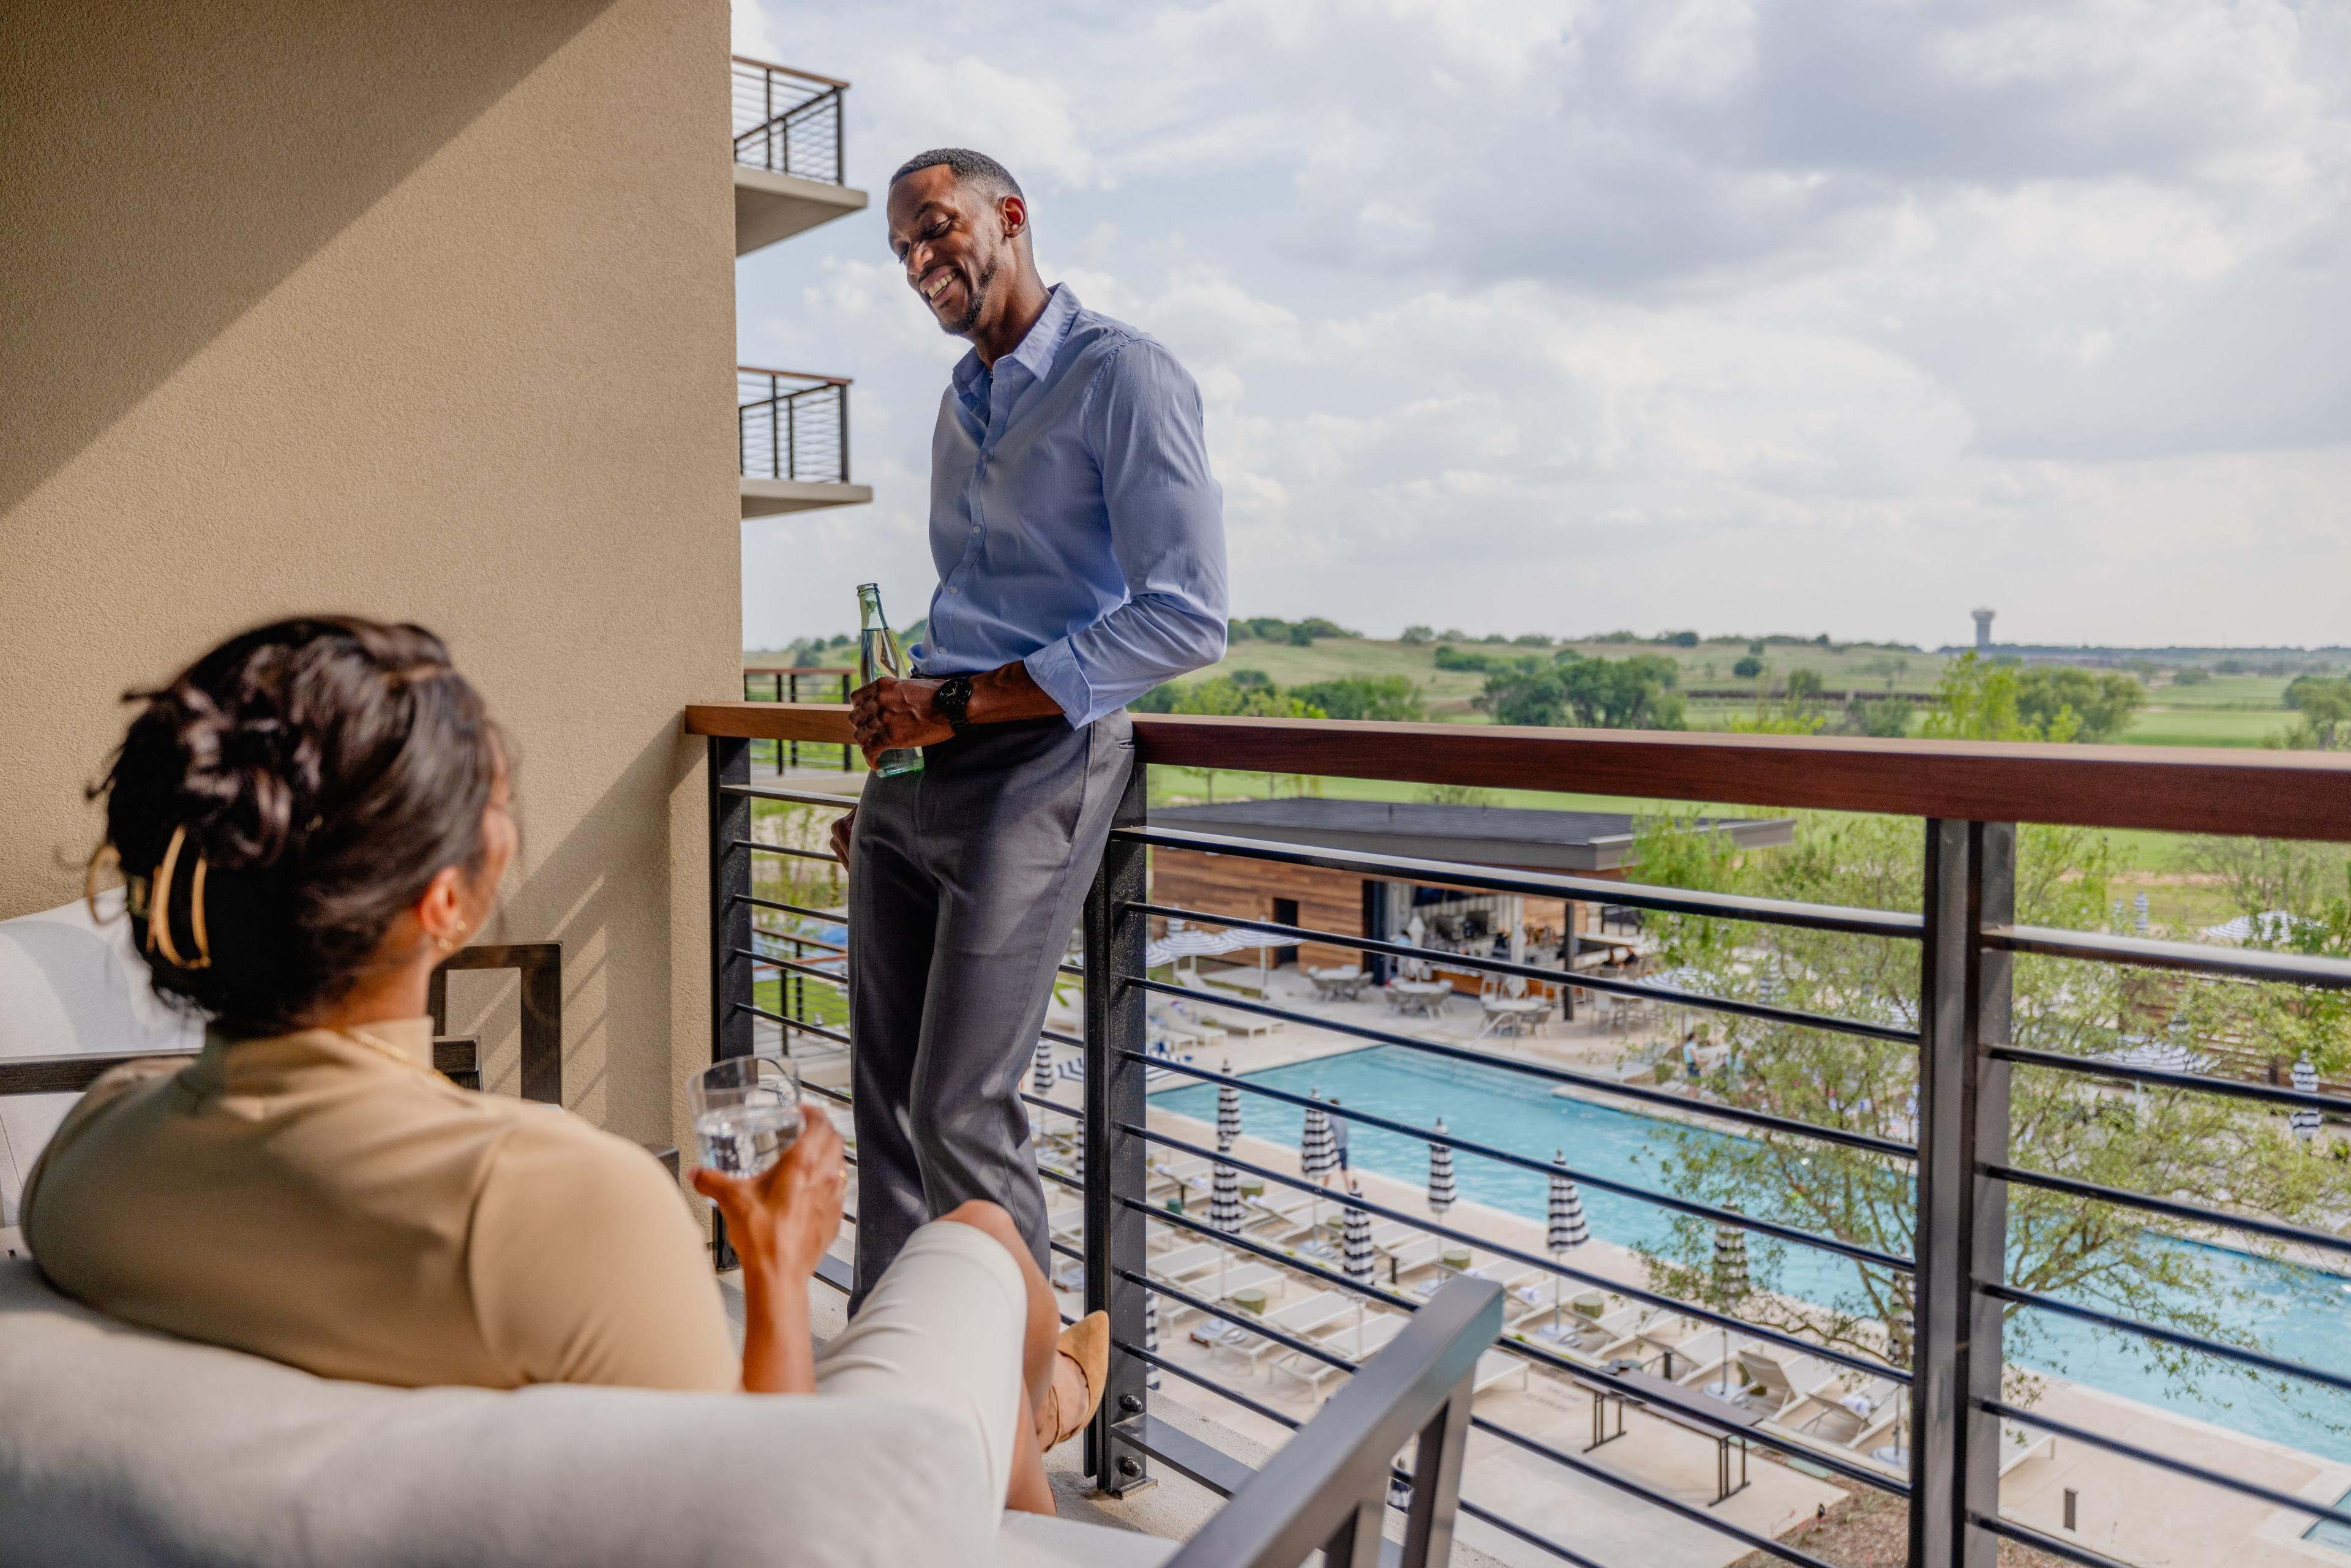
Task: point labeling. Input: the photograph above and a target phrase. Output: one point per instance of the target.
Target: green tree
(1749, 668)
(2161, 1141)
(2101, 704)
(1885, 718)
(2324, 704)
(1224, 695)
(1635, 693)
(1415, 635)
(1390, 697)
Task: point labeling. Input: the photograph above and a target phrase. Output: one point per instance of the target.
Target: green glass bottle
(877, 655)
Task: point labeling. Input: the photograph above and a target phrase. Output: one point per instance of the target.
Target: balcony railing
(795, 684)
(788, 121)
(792, 425)
(1954, 1031)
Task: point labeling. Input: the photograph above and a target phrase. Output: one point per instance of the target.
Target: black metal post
(839, 138)
(731, 924)
(791, 437)
(1963, 1225)
(840, 400)
(1114, 935)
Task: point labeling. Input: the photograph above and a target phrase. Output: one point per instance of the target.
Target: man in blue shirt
(1078, 537)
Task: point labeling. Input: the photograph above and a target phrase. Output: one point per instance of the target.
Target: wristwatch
(951, 699)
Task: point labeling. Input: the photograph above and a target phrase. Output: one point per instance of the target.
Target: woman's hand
(784, 1219)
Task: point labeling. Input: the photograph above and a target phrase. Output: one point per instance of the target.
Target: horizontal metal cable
(1075, 1112)
(1527, 1533)
(1546, 885)
(1765, 1119)
(1536, 972)
(835, 1096)
(794, 937)
(834, 917)
(1663, 1200)
(800, 1024)
(1070, 969)
(2199, 1082)
(754, 845)
(2194, 958)
(1055, 1174)
(2194, 1213)
(2051, 1544)
(797, 796)
(2169, 1336)
(1060, 1038)
(1524, 1350)
(2162, 1461)
(794, 966)
(1056, 1244)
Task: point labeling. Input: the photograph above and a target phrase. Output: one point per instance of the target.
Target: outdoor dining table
(1337, 985)
(1684, 1407)
(1513, 1013)
(1424, 998)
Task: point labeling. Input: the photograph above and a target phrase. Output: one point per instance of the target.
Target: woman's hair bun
(323, 770)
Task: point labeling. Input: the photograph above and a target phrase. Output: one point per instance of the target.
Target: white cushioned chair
(71, 986)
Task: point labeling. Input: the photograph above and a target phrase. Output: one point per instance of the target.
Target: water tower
(1983, 629)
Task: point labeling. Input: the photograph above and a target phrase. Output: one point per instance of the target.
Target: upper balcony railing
(788, 121)
(1912, 1399)
(792, 425)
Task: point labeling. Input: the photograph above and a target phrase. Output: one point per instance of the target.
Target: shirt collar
(1034, 355)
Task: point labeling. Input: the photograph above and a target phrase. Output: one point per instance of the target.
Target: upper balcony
(790, 174)
(792, 442)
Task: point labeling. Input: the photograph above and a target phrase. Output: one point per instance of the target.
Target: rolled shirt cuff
(1054, 668)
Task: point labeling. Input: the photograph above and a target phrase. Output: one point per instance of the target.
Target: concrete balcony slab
(770, 206)
(768, 498)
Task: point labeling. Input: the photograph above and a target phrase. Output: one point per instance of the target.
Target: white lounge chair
(1297, 1320)
(1354, 1343)
(1499, 1366)
(1787, 1378)
(1849, 1417)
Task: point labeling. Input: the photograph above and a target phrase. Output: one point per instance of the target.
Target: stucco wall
(419, 309)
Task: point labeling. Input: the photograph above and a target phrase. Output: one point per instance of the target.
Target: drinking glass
(747, 1111)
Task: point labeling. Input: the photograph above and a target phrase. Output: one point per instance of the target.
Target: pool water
(2301, 1313)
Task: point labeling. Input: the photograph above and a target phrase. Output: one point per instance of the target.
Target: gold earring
(450, 944)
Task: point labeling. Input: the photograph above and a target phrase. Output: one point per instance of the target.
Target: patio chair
(1298, 1320)
(1497, 1366)
(1849, 1417)
(1787, 1378)
(1413, 1255)
(1354, 1343)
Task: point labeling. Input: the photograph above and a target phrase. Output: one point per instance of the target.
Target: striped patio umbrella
(1731, 1285)
(1564, 1229)
(1358, 1261)
(1317, 1157)
(2304, 1118)
(1441, 1190)
(1040, 1078)
(1902, 1334)
(1225, 1197)
(2138, 915)
(1318, 1151)
(1223, 1211)
(1151, 1336)
(1359, 1264)
(1228, 1114)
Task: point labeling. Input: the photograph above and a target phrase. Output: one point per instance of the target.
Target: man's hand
(783, 1219)
(888, 715)
(843, 826)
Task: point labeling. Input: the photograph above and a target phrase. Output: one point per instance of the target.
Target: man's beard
(970, 319)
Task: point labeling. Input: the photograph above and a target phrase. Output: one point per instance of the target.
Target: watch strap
(952, 699)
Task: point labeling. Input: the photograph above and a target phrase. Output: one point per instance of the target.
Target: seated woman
(309, 821)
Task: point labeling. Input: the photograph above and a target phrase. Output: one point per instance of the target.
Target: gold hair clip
(159, 918)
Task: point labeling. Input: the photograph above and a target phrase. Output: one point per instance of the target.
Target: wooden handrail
(2166, 788)
(787, 70)
(799, 670)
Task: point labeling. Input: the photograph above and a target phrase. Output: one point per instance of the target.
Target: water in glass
(745, 1111)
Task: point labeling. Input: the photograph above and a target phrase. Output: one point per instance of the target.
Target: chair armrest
(1329, 1484)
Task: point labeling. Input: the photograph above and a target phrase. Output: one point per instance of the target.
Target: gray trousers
(964, 881)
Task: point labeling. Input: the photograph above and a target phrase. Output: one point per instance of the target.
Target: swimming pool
(2301, 1313)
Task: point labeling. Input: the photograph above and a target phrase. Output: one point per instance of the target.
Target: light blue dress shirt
(1074, 522)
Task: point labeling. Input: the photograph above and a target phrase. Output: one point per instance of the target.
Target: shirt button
(955, 591)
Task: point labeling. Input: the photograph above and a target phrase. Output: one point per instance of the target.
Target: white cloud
(1736, 313)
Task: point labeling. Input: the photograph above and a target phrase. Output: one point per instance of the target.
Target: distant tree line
(1251, 693)
(1298, 633)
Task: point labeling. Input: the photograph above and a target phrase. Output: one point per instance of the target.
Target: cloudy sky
(1566, 314)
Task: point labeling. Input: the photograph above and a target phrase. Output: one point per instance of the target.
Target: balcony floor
(772, 497)
(771, 206)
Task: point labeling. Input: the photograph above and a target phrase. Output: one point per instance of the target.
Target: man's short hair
(968, 165)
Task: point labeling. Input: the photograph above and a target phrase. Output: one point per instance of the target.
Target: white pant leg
(944, 1326)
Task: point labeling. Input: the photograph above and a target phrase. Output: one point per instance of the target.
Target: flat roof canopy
(1508, 836)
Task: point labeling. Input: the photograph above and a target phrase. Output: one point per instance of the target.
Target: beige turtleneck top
(328, 1200)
